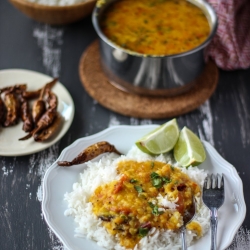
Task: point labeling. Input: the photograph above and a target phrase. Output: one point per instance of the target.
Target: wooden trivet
(98, 87)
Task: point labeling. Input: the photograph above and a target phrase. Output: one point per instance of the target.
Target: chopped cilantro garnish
(158, 181)
(166, 179)
(151, 204)
(155, 209)
(133, 181)
(138, 189)
(143, 231)
(154, 175)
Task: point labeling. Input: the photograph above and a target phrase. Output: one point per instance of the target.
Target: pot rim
(209, 12)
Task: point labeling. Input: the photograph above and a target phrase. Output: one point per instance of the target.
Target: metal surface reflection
(152, 75)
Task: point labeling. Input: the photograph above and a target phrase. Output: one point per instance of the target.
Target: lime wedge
(160, 140)
(189, 149)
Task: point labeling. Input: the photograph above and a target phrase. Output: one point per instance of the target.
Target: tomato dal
(131, 206)
(155, 27)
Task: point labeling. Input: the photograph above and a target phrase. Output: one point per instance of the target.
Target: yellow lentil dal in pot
(129, 207)
(155, 27)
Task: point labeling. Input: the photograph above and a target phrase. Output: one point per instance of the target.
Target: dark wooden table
(224, 121)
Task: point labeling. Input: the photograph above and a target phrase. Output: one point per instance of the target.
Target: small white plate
(231, 214)
(9, 143)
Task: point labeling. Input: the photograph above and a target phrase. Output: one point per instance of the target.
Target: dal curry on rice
(136, 202)
(148, 194)
(155, 27)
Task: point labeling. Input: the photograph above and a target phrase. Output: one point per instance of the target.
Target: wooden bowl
(55, 15)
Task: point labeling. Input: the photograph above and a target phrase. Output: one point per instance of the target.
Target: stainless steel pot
(152, 75)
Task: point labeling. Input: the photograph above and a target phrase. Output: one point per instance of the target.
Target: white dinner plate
(59, 180)
(9, 143)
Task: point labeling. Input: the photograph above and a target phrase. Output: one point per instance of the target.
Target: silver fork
(213, 198)
(187, 218)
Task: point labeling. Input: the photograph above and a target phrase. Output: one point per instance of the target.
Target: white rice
(103, 171)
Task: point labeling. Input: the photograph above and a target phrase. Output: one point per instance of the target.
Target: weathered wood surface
(224, 121)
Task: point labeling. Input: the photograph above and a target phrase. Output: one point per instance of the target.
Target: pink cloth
(230, 48)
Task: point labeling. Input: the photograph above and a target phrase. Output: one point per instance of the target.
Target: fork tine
(222, 182)
(213, 198)
(207, 182)
(212, 181)
(216, 181)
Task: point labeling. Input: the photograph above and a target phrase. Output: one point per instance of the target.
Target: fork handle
(213, 223)
(183, 237)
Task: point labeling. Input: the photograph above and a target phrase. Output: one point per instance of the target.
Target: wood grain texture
(98, 86)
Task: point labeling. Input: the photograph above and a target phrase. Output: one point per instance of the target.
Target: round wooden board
(98, 87)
